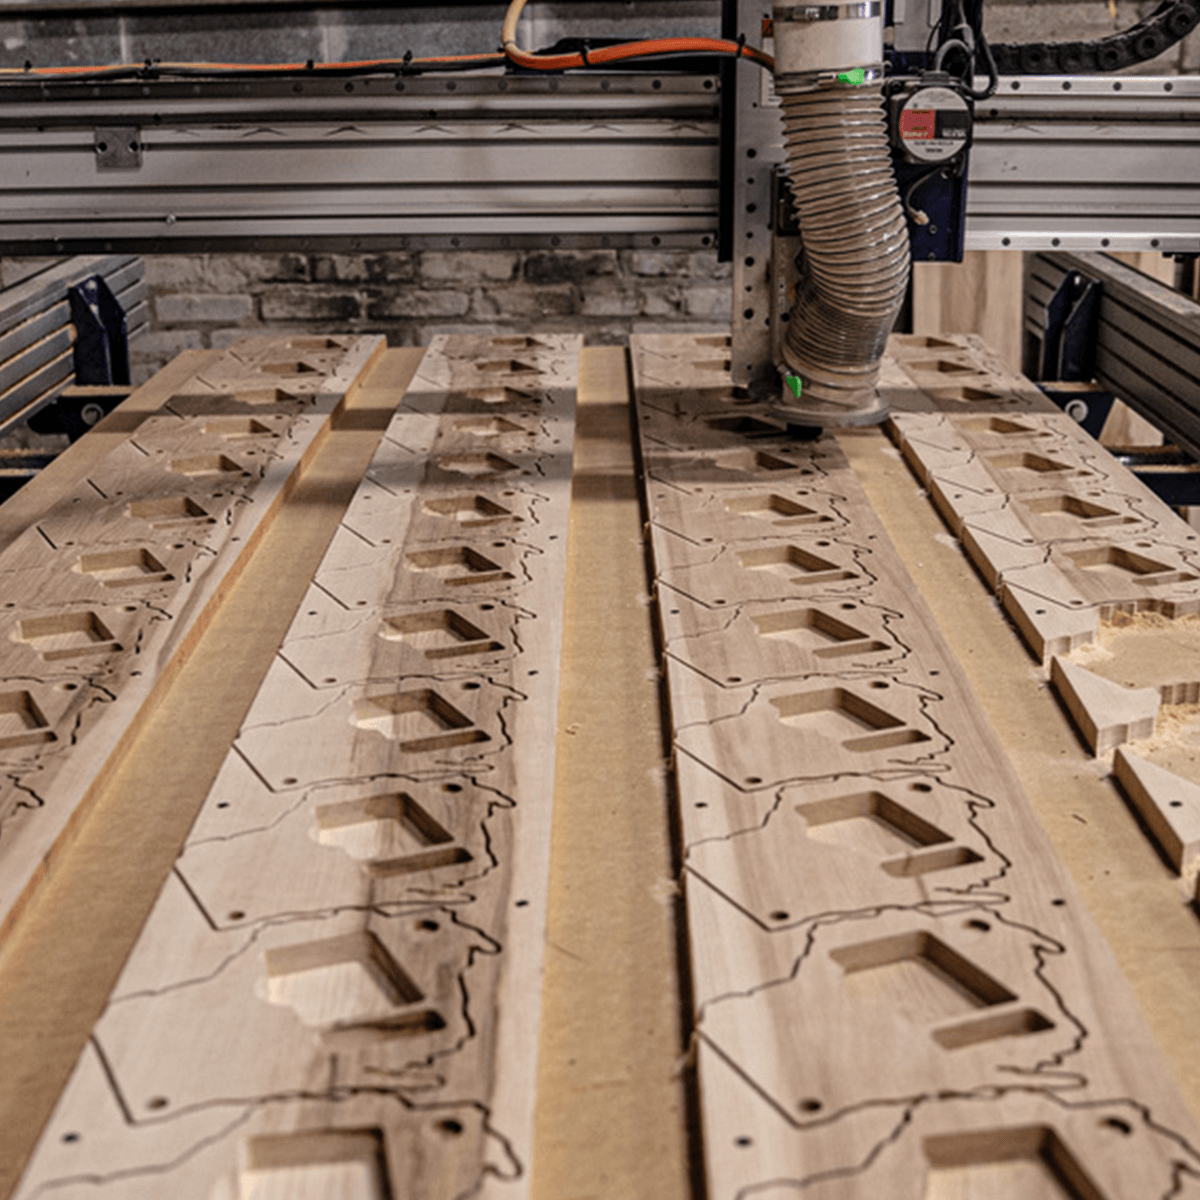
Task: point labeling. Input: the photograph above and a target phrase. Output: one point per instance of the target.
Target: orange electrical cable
(626, 50)
(493, 59)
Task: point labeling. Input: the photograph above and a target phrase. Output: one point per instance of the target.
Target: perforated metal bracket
(118, 148)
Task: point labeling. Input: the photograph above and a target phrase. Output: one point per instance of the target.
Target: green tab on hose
(795, 383)
(855, 78)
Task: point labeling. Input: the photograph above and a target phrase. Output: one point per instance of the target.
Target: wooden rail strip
(352, 936)
(897, 989)
(102, 599)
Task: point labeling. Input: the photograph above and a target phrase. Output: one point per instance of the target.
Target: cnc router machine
(286, 668)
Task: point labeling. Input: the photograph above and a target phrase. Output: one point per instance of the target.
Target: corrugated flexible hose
(855, 261)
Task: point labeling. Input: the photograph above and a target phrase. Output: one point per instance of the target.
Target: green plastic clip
(795, 383)
(855, 78)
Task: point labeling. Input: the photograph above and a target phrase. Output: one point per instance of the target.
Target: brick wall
(210, 300)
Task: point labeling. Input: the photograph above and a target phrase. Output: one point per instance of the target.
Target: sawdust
(1175, 743)
(1146, 649)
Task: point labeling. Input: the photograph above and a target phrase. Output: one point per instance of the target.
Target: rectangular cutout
(869, 821)
(508, 366)
(1039, 464)
(834, 712)
(350, 1164)
(22, 722)
(475, 464)
(945, 858)
(239, 427)
(504, 395)
(1018, 1023)
(458, 565)
(390, 835)
(1076, 506)
(420, 721)
(779, 510)
(997, 424)
(67, 635)
(919, 976)
(349, 979)
(746, 426)
(123, 568)
(169, 510)
(443, 633)
(995, 1164)
(471, 512)
(206, 464)
(826, 636)
(1119, 559)
(788, 560)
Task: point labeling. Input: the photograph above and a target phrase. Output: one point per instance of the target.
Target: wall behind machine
(202, 301)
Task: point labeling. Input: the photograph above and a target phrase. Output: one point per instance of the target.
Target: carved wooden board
(337, 993)
(897, 991)
(103, 597)
(1101, 578)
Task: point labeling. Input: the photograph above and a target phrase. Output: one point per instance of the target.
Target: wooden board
(980, 295)
(105, 594)
(63, 958)
(897, 991)
(1099, 575)
(613, 1104)
(352, 936)
(1066, 534)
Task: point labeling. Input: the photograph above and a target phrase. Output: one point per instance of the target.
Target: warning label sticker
(918, 123)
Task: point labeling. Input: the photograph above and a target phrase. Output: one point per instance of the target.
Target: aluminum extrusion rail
(612, 159)
(1147, 338)
(380, 162)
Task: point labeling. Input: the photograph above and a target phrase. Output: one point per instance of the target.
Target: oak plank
(60, 964)
(859, 959)
(356, 944)
(69, 591)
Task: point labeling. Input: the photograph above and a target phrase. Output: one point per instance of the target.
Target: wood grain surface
(105, 594)
(897, 988)
(352, 934)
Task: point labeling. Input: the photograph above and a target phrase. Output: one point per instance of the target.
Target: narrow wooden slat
(353, 931)
(897, 989)
(103, 597)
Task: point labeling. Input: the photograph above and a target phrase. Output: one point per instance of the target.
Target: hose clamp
(810, 81)
(864, 10)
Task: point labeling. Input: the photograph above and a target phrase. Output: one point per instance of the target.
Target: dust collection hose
(854, 265)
